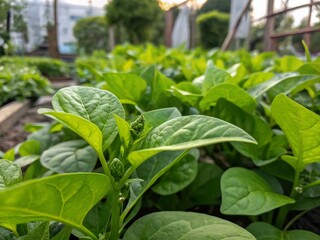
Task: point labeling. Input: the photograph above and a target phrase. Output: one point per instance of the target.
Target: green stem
(295, 218)
(126, 176)
(115, 215)
(105, 167)
(310, 185)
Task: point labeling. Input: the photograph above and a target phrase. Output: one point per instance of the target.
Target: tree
(8, 8)
(91, 30)
(218, 5)
(135, 18)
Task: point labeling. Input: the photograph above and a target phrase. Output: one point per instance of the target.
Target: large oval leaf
(184, 226)
(70, 156)
(244, 192)
(92, 104)
(185, 133)
(301, 127)
(65, 198)
(10, 173)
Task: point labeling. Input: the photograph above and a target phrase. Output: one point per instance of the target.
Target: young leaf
(230, 92)
(263, 231)
(70, 156)
(307, 52)
(124, 130)
(186, 226)
(244, 192)
(26, 160)
(213, 76)
(301, 127)
(185, 133)
(10, 173)
(94, 105)
(156, 117)
(30, 147)
(66, 198)
(179, 176)
(126, 86)
(87, 130)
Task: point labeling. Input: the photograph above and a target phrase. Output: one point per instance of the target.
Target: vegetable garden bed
(157, 136)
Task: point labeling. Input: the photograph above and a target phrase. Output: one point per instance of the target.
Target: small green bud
(116, 169)
(137, 126)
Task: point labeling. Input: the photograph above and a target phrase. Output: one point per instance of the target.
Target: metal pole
(268, 43)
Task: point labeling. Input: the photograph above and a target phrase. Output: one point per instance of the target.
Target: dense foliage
(91, 30)
(136, 19)
(212, 28)
(48, 67)
(18, 83)
(172, 132)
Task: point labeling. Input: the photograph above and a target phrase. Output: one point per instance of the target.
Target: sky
(259, 7)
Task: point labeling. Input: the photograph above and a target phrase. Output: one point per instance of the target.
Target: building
(39, 13)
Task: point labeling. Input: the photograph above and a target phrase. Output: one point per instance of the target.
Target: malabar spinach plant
(102, 205)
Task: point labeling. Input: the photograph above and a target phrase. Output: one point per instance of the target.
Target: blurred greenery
(91, 30)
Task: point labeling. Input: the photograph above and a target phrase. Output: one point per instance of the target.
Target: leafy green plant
(159, 137)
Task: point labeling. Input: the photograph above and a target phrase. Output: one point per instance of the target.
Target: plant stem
(115, 215)
(105, 167)
(295, 218)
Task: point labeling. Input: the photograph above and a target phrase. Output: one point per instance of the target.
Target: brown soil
(11, 137)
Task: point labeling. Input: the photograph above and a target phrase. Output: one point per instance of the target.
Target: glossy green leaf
(5, 234)
(30, 147)
(45, 137)
(186, 226)
(301, 127)
(87, 130)
(213, 76)
(293, 85)
(263, 87)
(179, 176)
(95, 105)
(187, 92)
(156, 117)
(10, 173)
(41, 232)
(257, 78)
(149, 172)
(126, 86)
(265, 231)
(70, 156)
(244, 192)
(230, 92)
(185, 133)
(9, 155)
(66, 198)
(124, 130)
(63, 234)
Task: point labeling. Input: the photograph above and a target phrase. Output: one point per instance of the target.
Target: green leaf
(65, 198)
(124, 130)
(289, 63)
(310, 68)
(187, 92)
(263, 87)
(9, 155)
(213, 76)
(87, 130)
(45, 137)
(230, 92)
(126, 86)
(63, 234)
(41, 232)
(265, 231)
(301, 127)
(257, 78)
(10, 173)
(26, 160)
(5, 234)
(307, 52)
(156, 117)
(30, 147)
(205, 189)
(149, 172)
(95, 105)
(186, 226)
(185, 133)
(179, 176)
(246, 193)
(70, 156)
